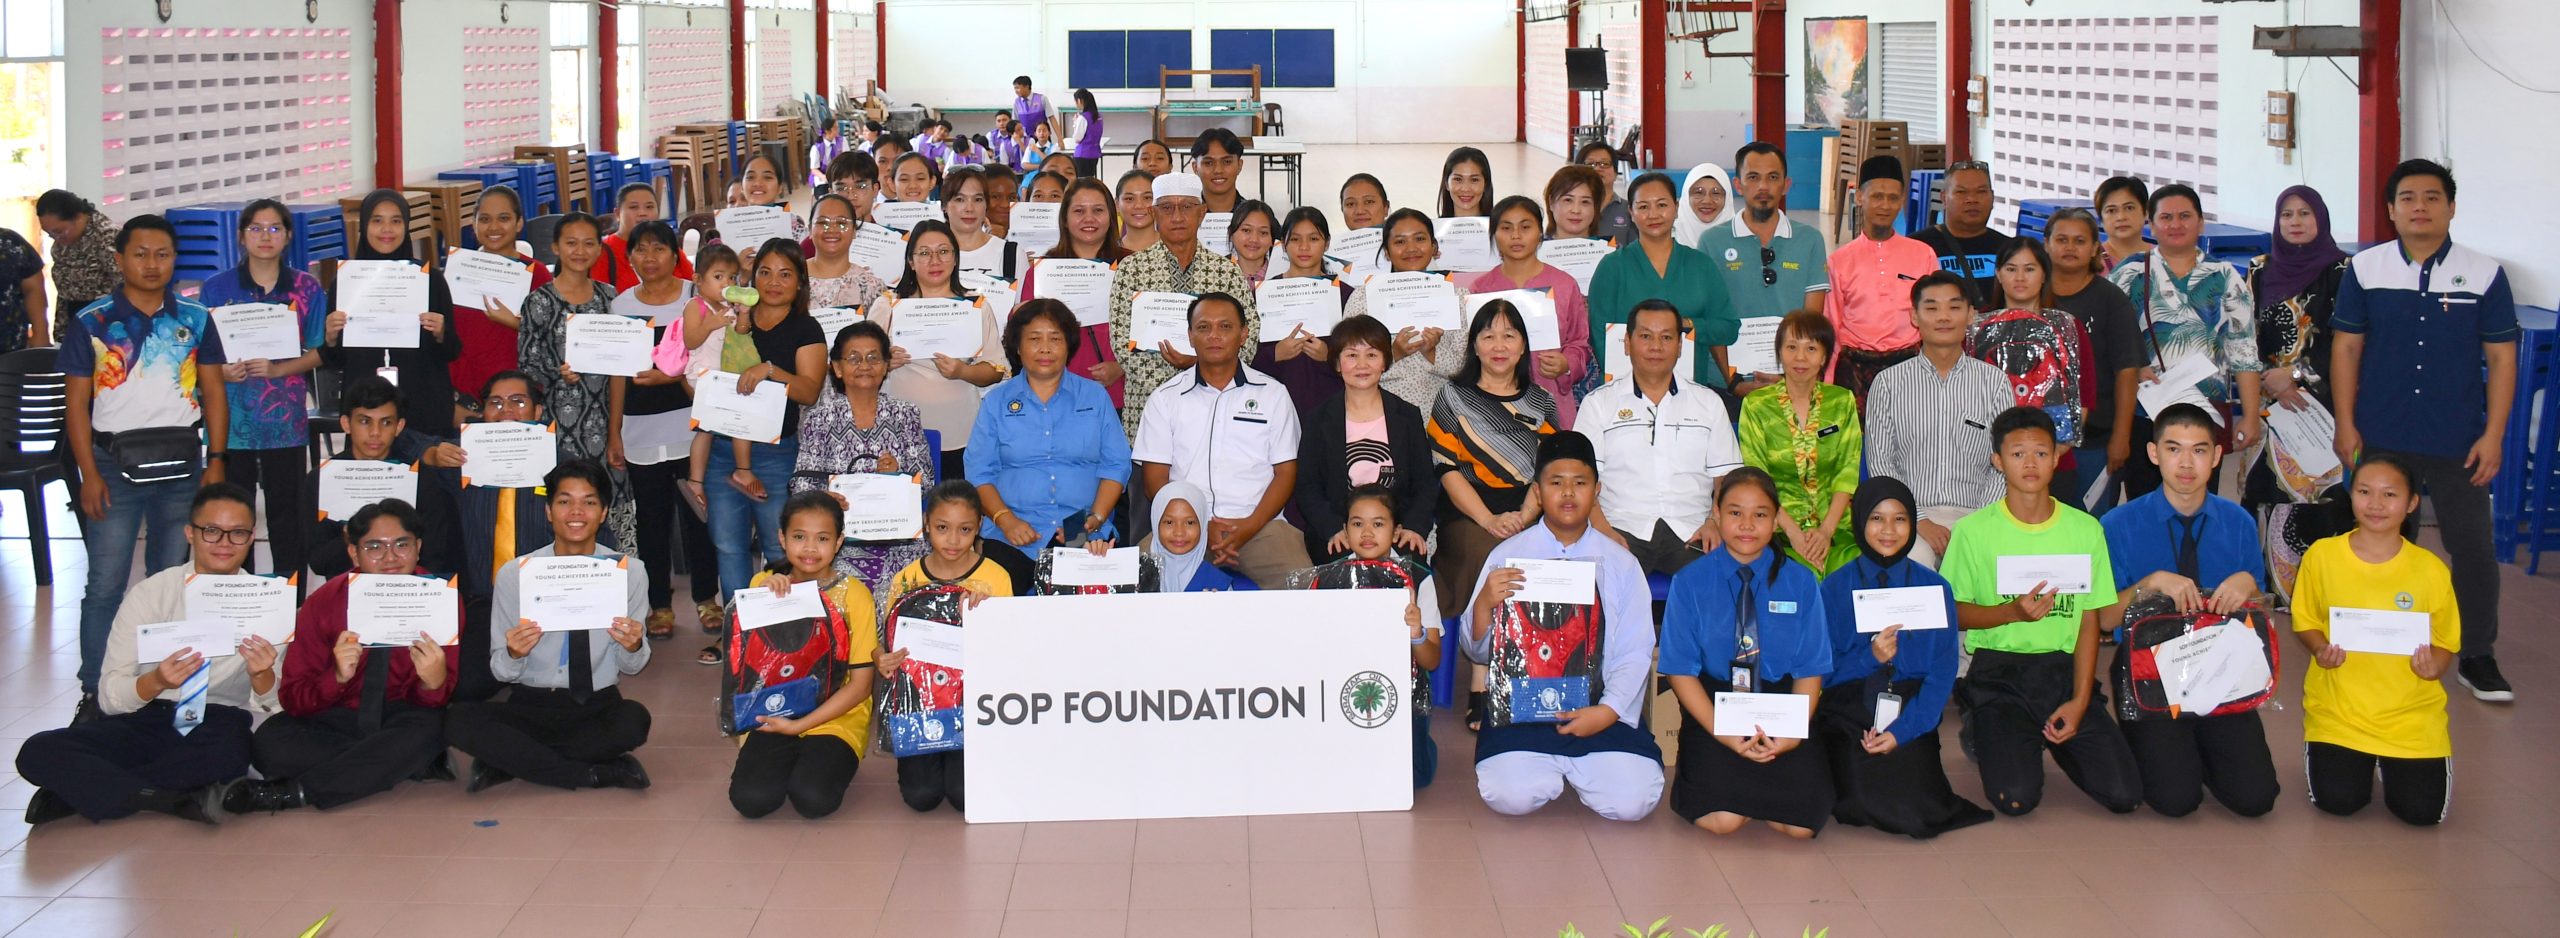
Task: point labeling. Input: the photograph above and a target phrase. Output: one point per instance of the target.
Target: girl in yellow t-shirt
(959, 557)
(2367, 707)
(820, 666)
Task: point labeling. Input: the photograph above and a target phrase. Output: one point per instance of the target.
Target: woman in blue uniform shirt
(1878, 719)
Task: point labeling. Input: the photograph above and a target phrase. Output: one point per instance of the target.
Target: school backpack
(1398, 572)
(2292, 527)
(2039, 350)
(1544, 661)
(783, 670)
(2157, 636)
(920, 704)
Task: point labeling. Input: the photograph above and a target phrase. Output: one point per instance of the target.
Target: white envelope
(758, 607)
(212, 638)
(1157, 316)
(2177, 385)
(1537, 312)
(1076, 566)
(1911, 607)
(1778, 716)
(272, 331)
(2211, 666)
(2018, 574)
(931, 642)
(2380, 631)
(1556, 581)
(607, 344)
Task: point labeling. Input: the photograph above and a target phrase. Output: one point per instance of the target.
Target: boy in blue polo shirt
(2200, 550)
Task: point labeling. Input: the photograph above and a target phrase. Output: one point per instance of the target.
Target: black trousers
(2418, 791)
(1087, 168)
(1661, 550)
(2182, 759)
(653, 489)
(2462, 519)
(925, 781)
(811, 772)
(540, 735)
(2008, 697)
(279, 474)
(951, 464)
(473, 683)
(337, 762)
(100, 766)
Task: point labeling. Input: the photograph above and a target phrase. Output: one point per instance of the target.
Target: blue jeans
(156, 513)
(741, 525)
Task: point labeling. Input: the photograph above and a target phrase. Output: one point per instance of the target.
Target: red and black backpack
(920, 704)
(2154, 619)
(783, 670)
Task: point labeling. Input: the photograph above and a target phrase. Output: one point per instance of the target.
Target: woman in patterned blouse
(21, 288)
(580, 405)
(835, 281)
(1805, 434)
(854, 428)
(84, 253)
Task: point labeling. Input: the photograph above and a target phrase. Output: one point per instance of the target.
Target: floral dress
(83, 271)
(1812, 461)
(579, 409)
(855, 290)
(832, 444)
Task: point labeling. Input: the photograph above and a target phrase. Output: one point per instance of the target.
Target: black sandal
(1475, 710)
(711, 654)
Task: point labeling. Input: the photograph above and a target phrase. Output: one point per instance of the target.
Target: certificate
(1076, 566)
(1755, 351)
(881, 249)
(1616, 364)
(1537, 313)
(1778, 716)
(930, 327)
(2211, 666)
(993, 292)
(382, 300)
(719, 408)
(1085, 286)
(211, 638)
(929, 642)
(271, 331)
(1556, 581)
(2018, 574)
(1287, 305)
(1034, 226)
(350, 484)
(1156, 316)
(1466, 244)
(1213, 232)
(1414, 298)
(567, 594)
(758, 607)
(2380, 631)
(880, 506)
(904, 215)
(481, 279)
(508, 454)
(1911, 607)
(607, 344)
(2178, 385)
(833, 319)
(1576, 256)
(1361, 251)
(748, 227)
(251, 605)
(398, 609)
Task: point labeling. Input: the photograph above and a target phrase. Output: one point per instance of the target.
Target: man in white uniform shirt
(1231, 431)
(1663, 440)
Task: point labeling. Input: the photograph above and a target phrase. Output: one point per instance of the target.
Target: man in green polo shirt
(2032, 685)
(1770, 266)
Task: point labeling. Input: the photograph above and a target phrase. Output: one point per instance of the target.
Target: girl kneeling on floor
(798, 692)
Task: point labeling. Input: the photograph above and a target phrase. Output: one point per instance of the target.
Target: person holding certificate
(1889, 680)
(1047, 452)
(856, 429)
(268, 396)
(2296, 284)
(1466, 184)
(761, 182)
(819, 666)
(1805, 433)
(2194, 306)
(1088, 230)
(2032, 686)
(648, 434)
(359, 717)
(420, 369)
(174, 726)
(1663, 440)
(1655, 265)
(943, 383)
(835, 281)
(2201, 551)
(1174, 262)
(1300, 360)
(1424, 357)
(1135, 195)
(965, 200)
(1364, 436)
(2362, 596)
(1518, 230)
(499, 524)
(1746, 621)
(1770, 267)
(488, 324)
(1487, 423)
(581, 405)
(789, 348)
(1233, 433)
(370, 413)
(565, 722)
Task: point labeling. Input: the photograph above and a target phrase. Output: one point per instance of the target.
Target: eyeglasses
(1768, 273)
(400, 545)
(863, 358)
(516, 401)
(861, 185)
(214, 535)
(265, 230)
(833, 224)
(937, 254)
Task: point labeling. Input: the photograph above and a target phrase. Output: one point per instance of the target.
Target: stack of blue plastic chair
(604, 178)
(2034, 213)
(2524, 498)
(208, 238)
(319, 234)
(2233, 243)
(659, 174)
(738, 151)
(1919, 208)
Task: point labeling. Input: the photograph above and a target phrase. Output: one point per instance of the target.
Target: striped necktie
(191, 698)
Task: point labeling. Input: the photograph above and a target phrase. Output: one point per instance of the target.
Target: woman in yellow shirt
(799, 692)
(2362, 708)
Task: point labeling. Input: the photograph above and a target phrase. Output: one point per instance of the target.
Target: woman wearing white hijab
(1703, 206)
(1180, 546)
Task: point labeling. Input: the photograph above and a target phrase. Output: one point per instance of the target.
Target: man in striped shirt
(1929, 418)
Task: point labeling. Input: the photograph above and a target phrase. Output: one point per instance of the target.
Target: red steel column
(1959, 72)
(1520, 68)
(738, 60)
(2378, 112)
(1572, 98)
(1769, 72)
(386, 94)
(880, 42)
(826, 31)
(608, 46)
(1653, 107)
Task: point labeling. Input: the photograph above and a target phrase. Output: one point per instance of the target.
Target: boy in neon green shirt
(2032, 686)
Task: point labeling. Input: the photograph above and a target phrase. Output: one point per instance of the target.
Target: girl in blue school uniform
(1878, 719)
(1181, 544)
(1746, 618)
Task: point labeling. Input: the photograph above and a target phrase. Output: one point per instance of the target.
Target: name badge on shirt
(1782, 607)
(390, 374)
(1829, 430)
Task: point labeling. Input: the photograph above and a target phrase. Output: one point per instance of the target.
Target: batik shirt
(142, 366)
(2207, 312)
(1155, 271)
(271, 413)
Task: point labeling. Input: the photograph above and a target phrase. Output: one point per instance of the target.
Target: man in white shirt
(1231, 431)
(1663, 440)
(1929, 417)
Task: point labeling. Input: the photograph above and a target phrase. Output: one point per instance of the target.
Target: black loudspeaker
(1586, 69)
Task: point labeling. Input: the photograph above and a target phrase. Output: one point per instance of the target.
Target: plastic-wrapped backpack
(1041, 584)
(1544, 661)
(2153, 619)
(1399, 572)
(784, 670)
(920, 704)
(2039, 350)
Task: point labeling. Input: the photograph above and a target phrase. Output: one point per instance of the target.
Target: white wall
(1406, 71)
(431, 77)
(2497, 137)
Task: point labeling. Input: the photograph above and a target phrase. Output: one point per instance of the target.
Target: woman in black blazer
(1359, 436)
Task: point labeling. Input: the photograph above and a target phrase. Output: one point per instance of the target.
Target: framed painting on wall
(1835, 70)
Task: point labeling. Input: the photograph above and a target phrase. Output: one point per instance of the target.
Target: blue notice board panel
(1150, 49)
(1303, 58)
(1117, 58)
(1239, 48)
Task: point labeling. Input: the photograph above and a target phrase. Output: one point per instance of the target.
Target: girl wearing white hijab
(1703, 206)
(1180, 545)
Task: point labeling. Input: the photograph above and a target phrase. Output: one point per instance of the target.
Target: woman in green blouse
(1657, 267)
(1805, 434)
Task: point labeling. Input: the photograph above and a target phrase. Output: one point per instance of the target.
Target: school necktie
(191, 698)
(582, 669)
(506, 533)
(1746, 633)
(377, 684)
(2188, 539)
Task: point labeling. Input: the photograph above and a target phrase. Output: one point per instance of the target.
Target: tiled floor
(675, 861)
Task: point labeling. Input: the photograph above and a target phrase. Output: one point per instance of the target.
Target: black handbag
(157, 454)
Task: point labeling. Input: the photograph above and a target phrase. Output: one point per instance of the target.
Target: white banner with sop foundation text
(1160, 705)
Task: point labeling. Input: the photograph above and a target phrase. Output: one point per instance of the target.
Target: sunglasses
(1768, 272)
